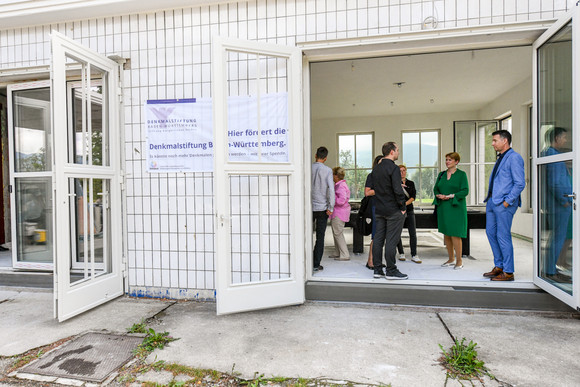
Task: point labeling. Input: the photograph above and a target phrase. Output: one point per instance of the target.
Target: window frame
(477, 165)
(417, 202)
(353, 190)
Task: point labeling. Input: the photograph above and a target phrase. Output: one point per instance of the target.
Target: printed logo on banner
(179, 135)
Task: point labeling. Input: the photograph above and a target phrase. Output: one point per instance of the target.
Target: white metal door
(87, 179)
(556, 141)
(259, 175)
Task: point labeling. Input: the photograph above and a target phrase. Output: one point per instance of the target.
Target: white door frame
(96, 288)
(13, 175)
(406, 43)
(268, 293)
(571, 299)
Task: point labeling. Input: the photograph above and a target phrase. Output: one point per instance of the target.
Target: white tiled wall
(169, 216)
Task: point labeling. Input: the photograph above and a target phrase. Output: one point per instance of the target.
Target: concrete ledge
(442, 296)
(26, 279)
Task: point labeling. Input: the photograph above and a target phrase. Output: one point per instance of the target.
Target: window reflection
(556, 222)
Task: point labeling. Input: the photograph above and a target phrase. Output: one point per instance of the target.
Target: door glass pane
(32, 137)
(88, 141)
(260, 228)
(33, 196)
(555, 263)
(90, 219)
(258, 127)
(555, 91)
(464, 141)
(484, 131)
(411, 150)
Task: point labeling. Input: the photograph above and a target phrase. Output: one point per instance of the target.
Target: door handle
(572, 195)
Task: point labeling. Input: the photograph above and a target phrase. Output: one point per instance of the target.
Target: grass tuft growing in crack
(461, 360)
(140, 327)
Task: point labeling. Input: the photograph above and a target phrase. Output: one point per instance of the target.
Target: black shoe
(319, 268)
(396, 275)
(378, 273)
(369, 267)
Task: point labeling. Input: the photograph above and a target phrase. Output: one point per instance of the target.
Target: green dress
(452, 213)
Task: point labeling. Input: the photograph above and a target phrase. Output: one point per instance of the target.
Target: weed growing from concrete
(461, 360)
(140, 327)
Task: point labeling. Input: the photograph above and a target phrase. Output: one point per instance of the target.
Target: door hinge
(124, 270)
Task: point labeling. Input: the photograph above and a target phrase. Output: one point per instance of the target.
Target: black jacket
(389, 195)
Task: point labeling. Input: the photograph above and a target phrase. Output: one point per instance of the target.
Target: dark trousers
(320, 219)
(388, 233)
(409, 225)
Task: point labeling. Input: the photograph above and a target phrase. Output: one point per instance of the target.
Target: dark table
(475, 219)
(423, 219)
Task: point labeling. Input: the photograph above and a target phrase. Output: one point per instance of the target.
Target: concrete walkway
(368, 344)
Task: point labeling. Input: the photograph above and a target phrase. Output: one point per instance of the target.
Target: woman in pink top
(341, 214)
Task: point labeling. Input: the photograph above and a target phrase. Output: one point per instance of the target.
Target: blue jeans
(320, 219)
(388, 233)
(498, 226)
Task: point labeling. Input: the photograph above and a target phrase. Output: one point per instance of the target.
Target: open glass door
(259, 175)
(30, 142)
(555, 159)
(87, 179)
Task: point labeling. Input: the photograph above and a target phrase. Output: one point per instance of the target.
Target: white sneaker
(402, 257)
(416, 259)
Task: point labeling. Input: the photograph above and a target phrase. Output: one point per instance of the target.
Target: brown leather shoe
(494, 272)
(503, 276)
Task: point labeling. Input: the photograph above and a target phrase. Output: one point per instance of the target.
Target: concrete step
(26, 279)
(440, 296)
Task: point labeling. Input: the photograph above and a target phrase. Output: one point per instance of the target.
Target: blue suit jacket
(509, 180)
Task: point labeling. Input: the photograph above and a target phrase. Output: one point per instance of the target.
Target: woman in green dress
(450, 189)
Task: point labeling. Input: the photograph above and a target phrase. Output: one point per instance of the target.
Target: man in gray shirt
(322, 201)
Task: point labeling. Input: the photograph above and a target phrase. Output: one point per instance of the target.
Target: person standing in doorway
(410, 193)
(340, 215)
(322, 202)
(451, 188)
(506, 183)
(390, 211)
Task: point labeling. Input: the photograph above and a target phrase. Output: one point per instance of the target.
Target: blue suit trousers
(498, 229)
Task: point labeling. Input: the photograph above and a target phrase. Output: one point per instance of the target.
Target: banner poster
(266, 142)
(179, 135)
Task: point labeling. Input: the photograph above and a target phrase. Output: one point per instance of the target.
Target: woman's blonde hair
(453, 155)
(339, 172)
(402, 166)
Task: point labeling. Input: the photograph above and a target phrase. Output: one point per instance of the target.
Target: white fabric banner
(269, 143)
(179, 135)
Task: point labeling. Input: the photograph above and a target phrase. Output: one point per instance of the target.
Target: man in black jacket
(389, 212)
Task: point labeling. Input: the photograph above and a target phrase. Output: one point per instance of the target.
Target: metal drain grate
(91, 357)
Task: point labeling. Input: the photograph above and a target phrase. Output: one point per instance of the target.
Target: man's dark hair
(554, 133)
(321, 153)
(388, 147)
(503, 134)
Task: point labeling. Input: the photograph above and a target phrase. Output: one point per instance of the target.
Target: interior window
(420, 151)
(473, 143)
(355, 155)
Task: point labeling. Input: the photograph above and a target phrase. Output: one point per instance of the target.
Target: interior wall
(516, 101)
(386, 128)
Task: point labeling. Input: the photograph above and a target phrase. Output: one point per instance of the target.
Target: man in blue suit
(506, 183)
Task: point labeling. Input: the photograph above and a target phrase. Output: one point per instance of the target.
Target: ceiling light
(398, 84)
